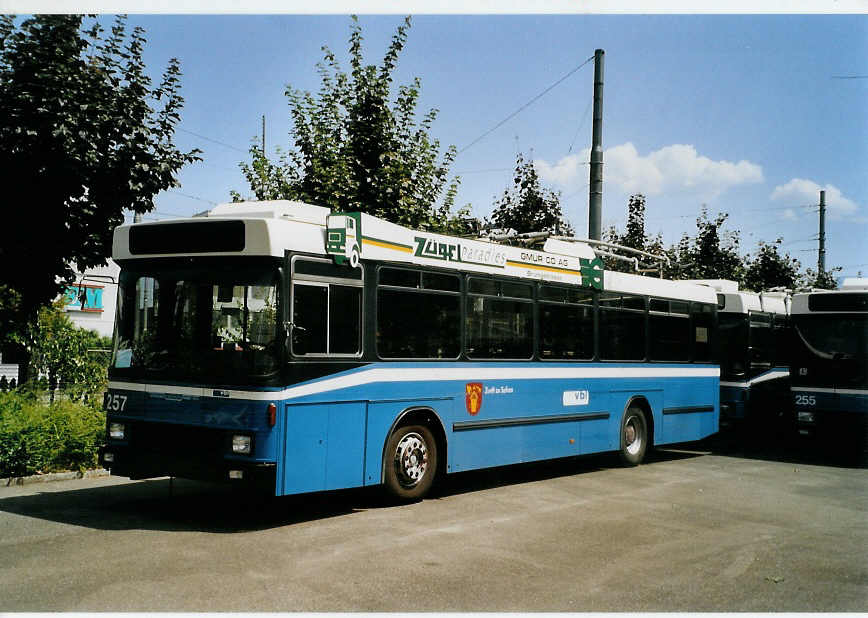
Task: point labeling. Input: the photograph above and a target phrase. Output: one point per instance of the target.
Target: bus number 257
(114, 403)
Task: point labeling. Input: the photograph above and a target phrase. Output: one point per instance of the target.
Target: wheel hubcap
(411, 459)
(632, 436)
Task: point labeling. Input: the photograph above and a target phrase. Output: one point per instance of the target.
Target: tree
(825, 281)
(527, 206)
(67, 355)
(769, 269)
(712, 254)
(85, 137)
(634, 237)
(358, 150)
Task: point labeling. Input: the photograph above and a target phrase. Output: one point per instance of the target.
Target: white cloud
(567, 171)
(675, 168)
(807, 192)
(790, 215)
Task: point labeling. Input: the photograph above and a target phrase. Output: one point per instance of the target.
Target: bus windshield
(833, 336)
(208, 326)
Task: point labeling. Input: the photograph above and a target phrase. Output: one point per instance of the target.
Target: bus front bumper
(121, 460)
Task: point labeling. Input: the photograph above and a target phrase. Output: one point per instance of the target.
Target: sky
(749, 115)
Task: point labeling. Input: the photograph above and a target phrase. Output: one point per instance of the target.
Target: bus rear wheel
(411, 463)
(634, 436)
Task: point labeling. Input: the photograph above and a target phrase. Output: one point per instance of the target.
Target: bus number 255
(114, 403)
(806, 400)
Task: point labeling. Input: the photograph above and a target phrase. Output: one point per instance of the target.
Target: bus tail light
(272, 415)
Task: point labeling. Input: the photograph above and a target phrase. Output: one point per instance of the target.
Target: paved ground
(713, 528)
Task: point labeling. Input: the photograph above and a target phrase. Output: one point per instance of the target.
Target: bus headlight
(241, 444)
(117, 431)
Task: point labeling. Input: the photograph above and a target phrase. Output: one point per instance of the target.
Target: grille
(178, 439)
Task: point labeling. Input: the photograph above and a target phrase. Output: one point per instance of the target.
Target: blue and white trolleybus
(279, 344)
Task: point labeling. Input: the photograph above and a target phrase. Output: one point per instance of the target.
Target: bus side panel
(535, 406)
(691, 410)
(324, 447)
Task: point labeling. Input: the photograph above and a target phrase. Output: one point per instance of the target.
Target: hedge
(40, 437)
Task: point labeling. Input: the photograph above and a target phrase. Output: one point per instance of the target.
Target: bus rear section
(830, 364)
(754, 330)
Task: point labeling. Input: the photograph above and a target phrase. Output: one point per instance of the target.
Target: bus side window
(309, 308)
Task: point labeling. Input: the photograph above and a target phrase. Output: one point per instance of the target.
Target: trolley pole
(821, 254)
(595, 197)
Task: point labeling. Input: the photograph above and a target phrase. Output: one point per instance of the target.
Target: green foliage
(769, 269)
(635, 237)
(711, 254)
(527, 206)
(85, 137)
(358, 150)
(36, 437)
(826, 281)
(61, 352)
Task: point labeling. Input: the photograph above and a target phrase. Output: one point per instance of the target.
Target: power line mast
(821, 254)
(595, 197)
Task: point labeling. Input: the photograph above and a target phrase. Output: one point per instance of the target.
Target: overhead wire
(522, 108)
(218, 142)
(581, 124)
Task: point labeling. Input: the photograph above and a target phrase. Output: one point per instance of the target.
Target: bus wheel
(354, 257)
(411, 463)
(634, 436)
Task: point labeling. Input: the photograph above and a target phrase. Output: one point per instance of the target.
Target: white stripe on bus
(835, 391)
(431, 374)
(769, 375)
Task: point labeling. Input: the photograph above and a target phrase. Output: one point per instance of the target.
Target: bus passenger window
(326, 319)
(326, 309)
(566, 323)
(622, 326)
(309, 308)
(669, 330)
(702, 315)
(345, 323)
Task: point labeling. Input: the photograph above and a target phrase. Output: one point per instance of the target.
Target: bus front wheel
(411, 463)
(634, 436)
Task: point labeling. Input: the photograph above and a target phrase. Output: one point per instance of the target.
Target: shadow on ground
(787, 446)
(181, 505)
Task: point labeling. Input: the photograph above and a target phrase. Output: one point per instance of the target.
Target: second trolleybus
(754, 332)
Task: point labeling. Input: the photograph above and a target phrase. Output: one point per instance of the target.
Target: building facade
(91, 301)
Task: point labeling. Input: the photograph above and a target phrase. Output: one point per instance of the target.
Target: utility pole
(263, 135)
(595, 197)
(821, 257)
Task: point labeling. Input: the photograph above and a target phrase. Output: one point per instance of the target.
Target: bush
(38, 437)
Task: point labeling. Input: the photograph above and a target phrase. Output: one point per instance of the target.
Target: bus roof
(269, 228)
(831, 301)
(735, 301)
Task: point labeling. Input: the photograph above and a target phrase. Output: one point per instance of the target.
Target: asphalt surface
(713, 526)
